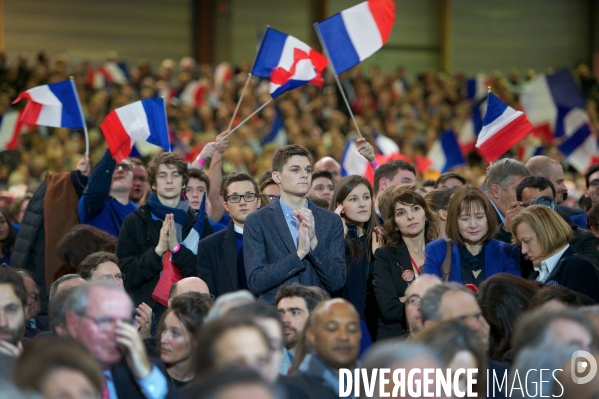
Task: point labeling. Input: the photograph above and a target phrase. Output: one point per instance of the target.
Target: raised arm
(97, 190)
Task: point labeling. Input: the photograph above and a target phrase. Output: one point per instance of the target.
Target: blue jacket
(96, 207)
(500, 257)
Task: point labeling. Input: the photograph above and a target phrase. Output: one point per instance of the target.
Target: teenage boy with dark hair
(221, 264)
(292, 240)
(157, 229)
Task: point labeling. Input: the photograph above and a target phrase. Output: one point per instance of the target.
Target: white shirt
(547, 265)
(237, 229)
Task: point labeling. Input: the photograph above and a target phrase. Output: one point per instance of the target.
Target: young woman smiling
(475, 254)
(409, 225)
(352, 201)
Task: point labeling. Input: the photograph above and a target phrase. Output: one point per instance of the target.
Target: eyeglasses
(414, 300)
(119, 277)
(274, 197)
(125, 166)
(141, 179)
(594, 183)
(107, 323)
(250, 197)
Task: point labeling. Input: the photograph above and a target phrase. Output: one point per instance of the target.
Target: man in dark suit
(100, 316)
(221, 264)
(503, 177)
(292, 240)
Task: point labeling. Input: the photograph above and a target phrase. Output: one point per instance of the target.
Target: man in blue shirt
(292, 240)
(105, 202)
(99, 316)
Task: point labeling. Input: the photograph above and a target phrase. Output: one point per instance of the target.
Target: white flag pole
(332, 69)
(245, 120)
(82, 117)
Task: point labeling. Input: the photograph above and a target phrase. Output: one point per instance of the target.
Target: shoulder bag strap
(446, 265)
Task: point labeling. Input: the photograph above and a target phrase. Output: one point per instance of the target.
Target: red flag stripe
(119, 142)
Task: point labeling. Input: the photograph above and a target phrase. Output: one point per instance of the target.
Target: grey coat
(271, 259)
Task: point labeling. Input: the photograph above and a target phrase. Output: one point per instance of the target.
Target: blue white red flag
(579, 144)
(503, 128)
(445, 153)
(543, 96)
(356, 33)
(143, 120)
(468, 132)
(385, 145)
(477, 87)
(288, 62)
(54, 105)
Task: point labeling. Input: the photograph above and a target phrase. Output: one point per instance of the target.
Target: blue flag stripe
(154, 108)
(495, 107)
(339, 46)
(269, 53)
(71, 117)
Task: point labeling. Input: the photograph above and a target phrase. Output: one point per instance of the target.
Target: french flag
(276, 134)
(287, 62)
(385, 145)
(445, 153)
(468, 132)
(353, 163)
(503, 128)
(143, 120)
(193, 94)
(10, 127)
(543, 96)
(579, 144)
(113, 73)
(353, 35)
(54, 105)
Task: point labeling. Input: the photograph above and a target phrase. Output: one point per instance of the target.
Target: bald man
(188, 284)
(414, 294)
(330, 165)
(334, 334)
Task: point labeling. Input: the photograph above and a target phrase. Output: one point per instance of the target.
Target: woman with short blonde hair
(544, 237)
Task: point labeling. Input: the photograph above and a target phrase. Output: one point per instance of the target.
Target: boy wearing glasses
(292, 240)
(156, 232)
(105, 202)
(222, 265)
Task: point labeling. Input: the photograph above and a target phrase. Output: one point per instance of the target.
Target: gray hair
(430, 304)
(385, 354)
(239, 298)
(78, 301)
(528, 364)
(502, 172)
(59, 281)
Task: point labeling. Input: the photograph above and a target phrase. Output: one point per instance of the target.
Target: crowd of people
(228, 268)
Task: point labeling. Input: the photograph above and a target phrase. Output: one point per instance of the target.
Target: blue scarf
(160, 211)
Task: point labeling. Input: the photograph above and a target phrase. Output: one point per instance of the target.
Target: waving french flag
(579, 144)
(354, 163)
(143, 120)
(54, 105)
(445, 153)
(288, 62)
(355, 34)
(503, 128)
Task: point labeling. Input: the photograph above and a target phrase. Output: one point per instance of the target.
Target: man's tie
(105, 392)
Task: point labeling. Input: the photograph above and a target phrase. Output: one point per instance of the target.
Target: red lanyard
(416, 268)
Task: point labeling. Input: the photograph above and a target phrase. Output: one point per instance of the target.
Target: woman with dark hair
(502, 299)
(438, 200)
(409, 226)
(81, 241)
(475, 254)
(7, 237)
(457, 347)
(353, 201)
(176, 332)
(58, 368)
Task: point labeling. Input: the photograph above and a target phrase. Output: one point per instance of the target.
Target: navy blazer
(217, 261)
(271, 255)
(500, 257)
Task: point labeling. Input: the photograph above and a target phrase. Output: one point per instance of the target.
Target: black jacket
(575, 272)
(127, 387)
(389, 286)
(137, 256)
(217, 261)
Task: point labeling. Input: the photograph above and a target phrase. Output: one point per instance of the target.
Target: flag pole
(240, 98)
(247, 81)
(82, 117)
(332, 69)
(245, 120)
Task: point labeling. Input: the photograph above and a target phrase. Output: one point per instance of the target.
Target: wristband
(176, 249)
(374, 164)
(201, 161)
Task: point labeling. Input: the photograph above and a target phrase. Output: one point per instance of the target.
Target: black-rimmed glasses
(249, 197)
